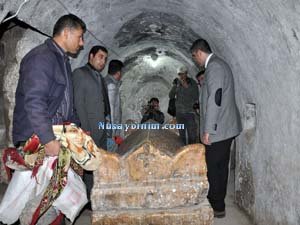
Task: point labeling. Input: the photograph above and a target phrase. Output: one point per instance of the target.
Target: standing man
(44, 95)
(185, 91)
(91, 101)
(113, 82)
(220, 121)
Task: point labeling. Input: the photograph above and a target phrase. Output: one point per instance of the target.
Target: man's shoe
(219, 214)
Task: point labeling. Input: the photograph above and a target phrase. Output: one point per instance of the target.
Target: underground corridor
(259, 39)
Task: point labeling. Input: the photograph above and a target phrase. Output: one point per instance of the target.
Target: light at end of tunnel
(153, 63)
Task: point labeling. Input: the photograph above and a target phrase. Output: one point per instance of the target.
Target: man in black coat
(91, 101)
(44, 93)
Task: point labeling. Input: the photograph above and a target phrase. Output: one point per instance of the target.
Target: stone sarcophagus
(152, 180)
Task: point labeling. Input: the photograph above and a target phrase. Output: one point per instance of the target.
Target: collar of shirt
(113, 79)
(93, 68)
(207, 59)
(95, 73)
(60, 50)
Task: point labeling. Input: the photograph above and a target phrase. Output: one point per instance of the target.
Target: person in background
(200, 80)
(153, 112)
(113, 82)
(185, 91)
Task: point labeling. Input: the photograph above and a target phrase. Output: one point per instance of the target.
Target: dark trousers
(88, 179)
(100, 138)
(217, 160)
(190, 127)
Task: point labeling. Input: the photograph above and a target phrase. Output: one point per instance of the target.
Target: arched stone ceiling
(258, 38)
(155, 25)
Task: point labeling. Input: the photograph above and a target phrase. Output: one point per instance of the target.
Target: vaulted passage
(258, 38)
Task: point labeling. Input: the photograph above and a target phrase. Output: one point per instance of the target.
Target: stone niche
(152, 179)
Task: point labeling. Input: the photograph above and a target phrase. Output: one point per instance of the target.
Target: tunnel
(259, 39)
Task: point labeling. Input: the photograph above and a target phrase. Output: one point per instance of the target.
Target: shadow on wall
(2, 124)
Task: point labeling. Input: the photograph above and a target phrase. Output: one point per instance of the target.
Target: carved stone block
(152, 179)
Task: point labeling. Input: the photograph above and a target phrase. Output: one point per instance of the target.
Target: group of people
(49, 93)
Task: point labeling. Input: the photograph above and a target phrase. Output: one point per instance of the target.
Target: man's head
(200, 50)
(98, 57)
(115, 69)
(200, 77)
(182, 72)
(68, 33)
(154, 102)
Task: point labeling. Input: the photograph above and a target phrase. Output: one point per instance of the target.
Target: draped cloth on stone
(56, 179)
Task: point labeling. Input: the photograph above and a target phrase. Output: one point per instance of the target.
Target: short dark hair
(200, 73)
(69, 21)
(201, 44)
(115, 66)
(97, 48)
(154, 100)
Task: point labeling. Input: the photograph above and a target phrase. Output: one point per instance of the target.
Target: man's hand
(205, 138)
(184, 83)
(52, 148)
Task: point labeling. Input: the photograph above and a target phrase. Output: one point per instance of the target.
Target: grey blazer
(219, 114)
(89, 102)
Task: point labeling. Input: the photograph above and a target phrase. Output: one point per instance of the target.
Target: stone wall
(8, 70)
(17, 42)
(260, 41)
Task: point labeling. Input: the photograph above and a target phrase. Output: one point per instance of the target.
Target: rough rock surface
(258, 38)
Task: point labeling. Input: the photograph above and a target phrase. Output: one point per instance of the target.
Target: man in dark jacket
(185, 91)
(90, 95)
(44, 93)
(92, 102)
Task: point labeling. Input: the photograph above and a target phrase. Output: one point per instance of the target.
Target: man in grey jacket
(220, 121)
(113, 82)
(91, 100)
